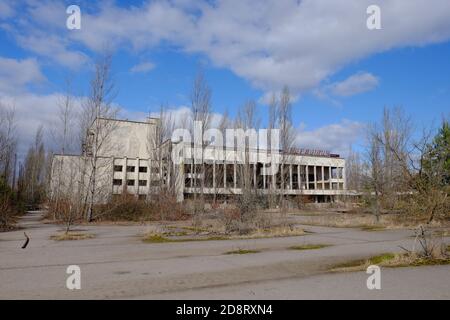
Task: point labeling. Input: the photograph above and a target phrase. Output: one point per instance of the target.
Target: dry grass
(309, 247)
(71, 236)
(274, 232)
(159, 236)
(214, 231)
(390, 260)
(242, 251)
(366, 222)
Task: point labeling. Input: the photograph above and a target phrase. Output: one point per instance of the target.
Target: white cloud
(16, 74)
(143, 67)
(336, 138)
(267, 97)
(32, 111)
(355, 84)
(54, 48)
(270, 43)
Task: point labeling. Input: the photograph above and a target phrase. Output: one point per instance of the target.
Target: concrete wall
(128, 162)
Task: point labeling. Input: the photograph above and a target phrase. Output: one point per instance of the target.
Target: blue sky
(341, 73)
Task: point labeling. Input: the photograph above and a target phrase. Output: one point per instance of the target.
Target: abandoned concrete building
(127, 158)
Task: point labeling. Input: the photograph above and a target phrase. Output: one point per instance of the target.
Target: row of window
(130, 182)
(119, 168)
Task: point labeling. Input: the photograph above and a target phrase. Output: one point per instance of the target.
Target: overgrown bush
(10, 206)
(129, 208)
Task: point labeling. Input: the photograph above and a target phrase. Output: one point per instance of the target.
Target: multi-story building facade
(127, 158)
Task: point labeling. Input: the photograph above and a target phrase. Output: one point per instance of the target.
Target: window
(142, 183)
(130, 182)
(130, 169)
(142, 197)
(117, 182)
(118, 168)
(143, 169)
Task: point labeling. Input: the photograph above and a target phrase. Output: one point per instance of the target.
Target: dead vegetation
(71, 236)
(216, 226)
(427, 250)
(368, 222)
(242, 251)
(309, 247)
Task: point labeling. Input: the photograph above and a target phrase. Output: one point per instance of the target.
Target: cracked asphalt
(116, 264)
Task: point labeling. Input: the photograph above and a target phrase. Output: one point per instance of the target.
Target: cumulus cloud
(34, 110)
(334, 137)
(270, 43)
(53, 47)
(16, 74)
(355, 84)
(143, 67)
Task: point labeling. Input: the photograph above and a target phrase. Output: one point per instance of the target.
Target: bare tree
(33, 178)
(157, 147)
(64, 198)
(287, 137)
(273, 121)
(374, 160)
(405, 171)
(354, 169)
(248, 121)
(201, 112)
(8, 146)
(97, 129)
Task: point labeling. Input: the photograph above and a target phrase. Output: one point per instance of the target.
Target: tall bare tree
(64, 198)
(97, 108)
(248, 121)
(33, 179)
(287, 137)
(201, 112)
(158, 149)
(8, 144)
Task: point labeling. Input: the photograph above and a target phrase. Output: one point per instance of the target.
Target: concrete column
(124, 175)
(307, 177)
(138, 164)
(315, 177)
(323, 177)
(179, 181)
(329, 177)
(299, 177)
(344, 178)
(290, 177)
(112, 178)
